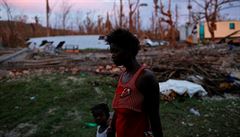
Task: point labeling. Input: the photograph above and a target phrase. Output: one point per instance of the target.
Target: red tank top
(131, 120)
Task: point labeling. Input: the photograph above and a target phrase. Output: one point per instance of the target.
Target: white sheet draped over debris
(180, 87)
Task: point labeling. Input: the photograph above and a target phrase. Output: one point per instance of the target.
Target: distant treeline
(14, 34)
(163, 22)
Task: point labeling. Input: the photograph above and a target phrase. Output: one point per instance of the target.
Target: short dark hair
(101, 107)
(124, 39)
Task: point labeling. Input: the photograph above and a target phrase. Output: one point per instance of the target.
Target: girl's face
(100, 117)
(119, 56)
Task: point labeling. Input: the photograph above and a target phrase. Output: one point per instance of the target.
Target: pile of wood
(208, 66)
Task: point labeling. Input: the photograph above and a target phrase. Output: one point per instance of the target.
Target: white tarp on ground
(180, 87)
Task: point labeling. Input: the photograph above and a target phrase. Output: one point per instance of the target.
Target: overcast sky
(33, 8)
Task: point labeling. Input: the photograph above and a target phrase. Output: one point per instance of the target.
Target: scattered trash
(234, 77)
(32, 98)
(225, 86)
(90, 124)
(190, 124)
(194, 111)
(187, 124)
(235, 74)
(183, 123)
(98, 91)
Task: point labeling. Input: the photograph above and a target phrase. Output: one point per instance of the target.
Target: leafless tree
(89, 24)
(65, 12)
(156, 7)
(156, 22)
(121, 15)
(176, 15)
(36, 19)
(138, 22)
(9, 37)
(8, 9)
(21, 18)
(167, 18)
(100, 24)
(133, 5)
(48, 12)
(79, 22)
(108, 24)
(152, 24)
(155, 18)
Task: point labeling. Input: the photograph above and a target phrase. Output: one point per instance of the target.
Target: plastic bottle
(195, 112)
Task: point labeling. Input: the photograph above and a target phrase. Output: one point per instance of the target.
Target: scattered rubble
(208, 66)
(215, 68)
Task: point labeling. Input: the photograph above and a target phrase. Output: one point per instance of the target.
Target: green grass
(57, 105)
(217, 119)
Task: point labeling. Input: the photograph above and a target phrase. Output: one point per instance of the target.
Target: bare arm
(148, 86)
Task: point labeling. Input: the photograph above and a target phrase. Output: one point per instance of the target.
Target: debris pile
(215, 68)
(209, 66)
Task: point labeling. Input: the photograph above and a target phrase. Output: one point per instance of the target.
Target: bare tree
(138, 23)
(48, 12)
(176, 15)
(167, 18)
(133, 5)
(156, 7)
(116, 14)
(8, 9)
(79, 22)
(156, 23)
(211, 10)
(36, 19)
(65, 9)
(89, 24)
(108, 24)
(21, 18)
(155, 17)
(121, 15)
(100, 24)
(9, 37)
